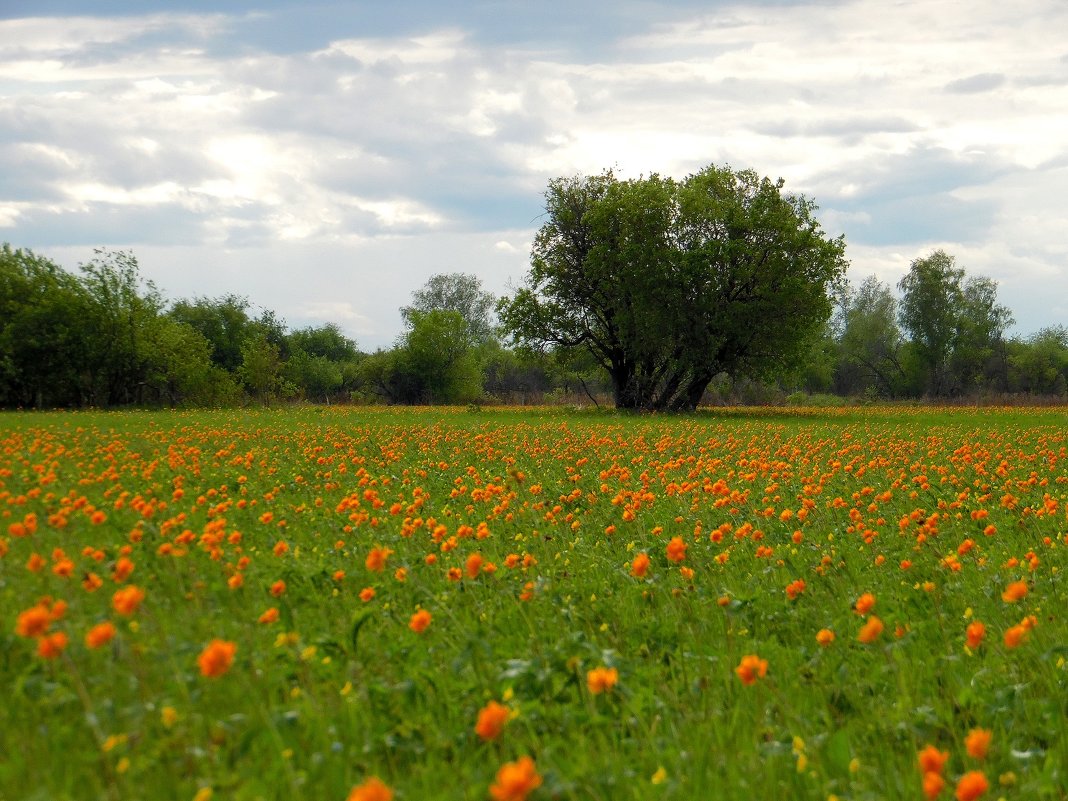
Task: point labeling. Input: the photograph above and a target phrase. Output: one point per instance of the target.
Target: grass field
(509, 604)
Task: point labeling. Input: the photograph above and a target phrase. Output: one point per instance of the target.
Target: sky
(324, 159)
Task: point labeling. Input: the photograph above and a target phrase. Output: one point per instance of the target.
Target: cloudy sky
(325, 158)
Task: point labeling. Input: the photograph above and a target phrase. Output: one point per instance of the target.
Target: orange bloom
(676, 549)
(864, 604)
(33, 622)
(601, 679)
(373, 789)
(278, 588)
(971, 785)
(977, 743)
(420, 620)
(824, 637)
(216, 658)
(270, 616)
(51, 645)
(686, 573)
(367, 593)
(640, 566)
(491, 720)
(100, 634)
(931, 760)
(126, 600)
(1014, 592)
(871, 630)
(123, 568)
(376, 559)
(975, 633)
(751, 668)
(515, 780)
(1015, 636)
(795, 588)
(933, 784)
(473, 565)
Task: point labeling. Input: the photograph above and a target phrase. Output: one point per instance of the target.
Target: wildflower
(216, 658)
(871, 630)
(975, 633)
(676, 549)
(33, 622)
(515, 780)
(454, 574)
(367, 593)
(278, 588)
(601, 679)
(168, 716)
(491, 720)
(640, 566)
(824, 637)
(931, 760)
(126, 600)
(100, 634)
(1015, 636)
(864, 604)
(270, 616)
(50, 646)
(795, 588)
(419, 621)
(971, 785)
(372, 789)
(751, 668)
(473, 565)
(1014, 592)
(977, 743)
(686, 573)
(933, 784)
(376, 559)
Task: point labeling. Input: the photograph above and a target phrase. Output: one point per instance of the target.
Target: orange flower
(640, 566)
(515, 780)
(126, 600)
(601, 679)
(373, 789)
(864, 604)
(420, 620)
(1015, 636)
(491, 720)
(367, 593)
(51, 645)
(871, 630)
(686, 573)
(123, 568)
(933, 784)
(100, 634)
(975, 633)
(824, 637)
(795, 588)
(33, 622)
(676, 549)
(376, 559)
(751, 668)
(977, 743)
(270, 616)
(473, 565)
(278, 588)
(1014, 592)
(931, 760)
(971, 785)
(216, 658)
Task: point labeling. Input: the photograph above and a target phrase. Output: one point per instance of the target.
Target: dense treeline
(102, 337)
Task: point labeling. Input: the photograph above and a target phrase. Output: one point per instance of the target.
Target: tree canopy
(668, 283)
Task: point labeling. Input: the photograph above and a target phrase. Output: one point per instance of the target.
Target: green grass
(339, 689)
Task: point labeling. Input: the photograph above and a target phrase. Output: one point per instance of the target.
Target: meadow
(366, 604)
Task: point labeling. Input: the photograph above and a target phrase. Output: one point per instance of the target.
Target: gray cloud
(982, 82)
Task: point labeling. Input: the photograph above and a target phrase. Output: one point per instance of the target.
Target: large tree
(668, 283)
(870, 341)
(461, 293)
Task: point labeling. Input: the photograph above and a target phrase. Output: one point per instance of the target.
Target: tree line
(651, 293)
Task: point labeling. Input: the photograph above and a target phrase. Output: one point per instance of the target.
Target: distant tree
(462, 294)
(261, 369)
(437, 353)
(224, 322)
(870, 341)
(979, 351)
(931, 304)
(1039, 365)
(327, 341)
(667, 284)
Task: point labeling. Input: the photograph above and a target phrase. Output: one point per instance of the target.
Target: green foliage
(463, 294)
(870, 342)
(668, 283)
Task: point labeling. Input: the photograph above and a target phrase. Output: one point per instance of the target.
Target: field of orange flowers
(513, 604)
